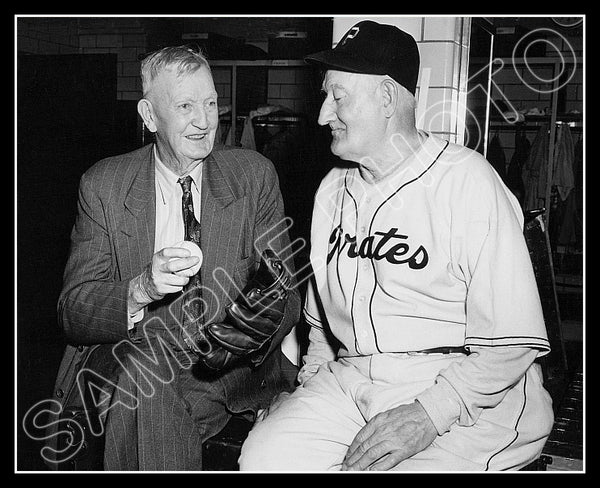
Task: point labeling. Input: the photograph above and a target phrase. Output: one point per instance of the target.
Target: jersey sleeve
(505, 329)
(503, 307)
(463, 390)
(321, 346)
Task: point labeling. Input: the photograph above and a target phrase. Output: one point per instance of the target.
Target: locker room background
(70, 67)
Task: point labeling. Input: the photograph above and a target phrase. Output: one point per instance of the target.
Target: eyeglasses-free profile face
(352, 111)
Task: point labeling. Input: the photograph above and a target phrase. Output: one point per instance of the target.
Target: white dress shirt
(169, 218)
(169, 228)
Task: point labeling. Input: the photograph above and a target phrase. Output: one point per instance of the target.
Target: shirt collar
(168, 181)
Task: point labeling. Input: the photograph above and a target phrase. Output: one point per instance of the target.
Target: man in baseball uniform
(425, 320)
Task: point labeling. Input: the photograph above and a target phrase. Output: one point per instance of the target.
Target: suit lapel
(224, 231)
(225, 235)
(138, 224)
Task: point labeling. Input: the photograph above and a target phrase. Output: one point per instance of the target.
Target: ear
(389, 93)
(146, 112)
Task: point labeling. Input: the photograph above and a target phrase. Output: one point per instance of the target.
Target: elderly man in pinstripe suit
(125, 275)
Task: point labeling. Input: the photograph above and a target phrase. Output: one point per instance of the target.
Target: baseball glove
(252, 319)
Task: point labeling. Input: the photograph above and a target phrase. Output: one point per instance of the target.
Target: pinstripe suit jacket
(113, 240)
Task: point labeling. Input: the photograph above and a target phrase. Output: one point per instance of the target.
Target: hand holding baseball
(194, 252)
(168, 272)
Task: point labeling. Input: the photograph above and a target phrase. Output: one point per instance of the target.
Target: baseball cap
(376, 49)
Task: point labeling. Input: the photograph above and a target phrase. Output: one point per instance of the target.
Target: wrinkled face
(352, 111)
(185, 115)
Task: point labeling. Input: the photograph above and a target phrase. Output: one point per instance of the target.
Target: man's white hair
(184, 58)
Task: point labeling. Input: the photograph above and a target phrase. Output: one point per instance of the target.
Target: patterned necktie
(192, 300)
(191, 225)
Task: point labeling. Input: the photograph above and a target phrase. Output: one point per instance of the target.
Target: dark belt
(442, 350)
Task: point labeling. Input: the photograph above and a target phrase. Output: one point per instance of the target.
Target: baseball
(194, 251)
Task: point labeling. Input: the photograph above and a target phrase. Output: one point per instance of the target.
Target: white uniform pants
(313, 428)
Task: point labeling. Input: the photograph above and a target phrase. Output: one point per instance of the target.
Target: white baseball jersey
(433, 255)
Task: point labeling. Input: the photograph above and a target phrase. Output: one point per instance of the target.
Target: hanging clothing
(229, 138)
(248, 140)
(564, 154)
(496, 156)
(222, 134)
(571, 229)
(535, 171)
(514, 178)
